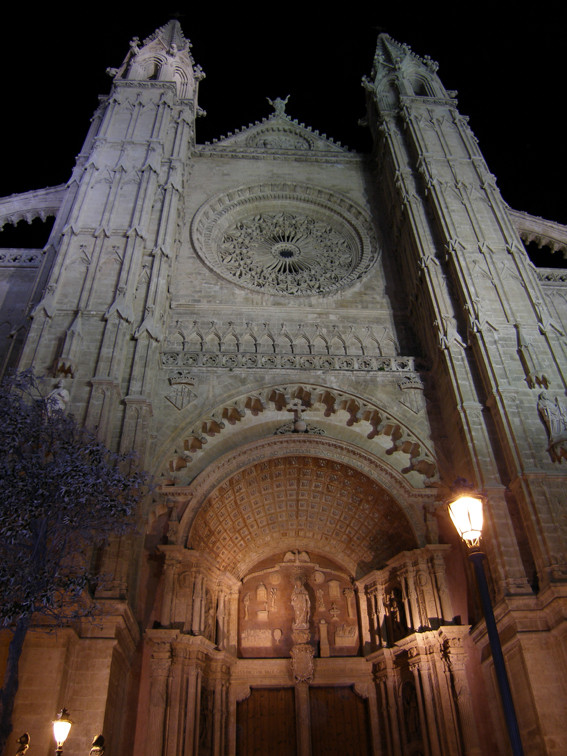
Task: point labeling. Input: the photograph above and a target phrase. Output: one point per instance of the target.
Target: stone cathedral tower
(306, 347)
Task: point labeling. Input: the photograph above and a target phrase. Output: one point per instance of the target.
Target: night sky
(510, 75)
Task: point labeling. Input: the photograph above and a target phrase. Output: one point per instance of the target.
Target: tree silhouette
(62, 493)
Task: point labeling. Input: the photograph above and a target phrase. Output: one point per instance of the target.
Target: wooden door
(265, 723)
(339, 722)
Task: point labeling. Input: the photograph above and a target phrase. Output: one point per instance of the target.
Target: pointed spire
(398, 71)
(163, 56)
(170, 34)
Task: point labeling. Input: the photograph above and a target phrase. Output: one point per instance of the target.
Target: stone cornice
(37, 203)
(545, 233)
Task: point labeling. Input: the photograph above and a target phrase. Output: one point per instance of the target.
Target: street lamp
(61, 727)
(466, 512)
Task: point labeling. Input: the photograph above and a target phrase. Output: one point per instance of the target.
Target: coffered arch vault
(298, 492)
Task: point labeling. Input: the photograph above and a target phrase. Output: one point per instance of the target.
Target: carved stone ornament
(285, 239)
(554, 417)
(302, 663)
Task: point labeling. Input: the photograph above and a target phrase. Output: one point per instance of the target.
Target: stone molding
(186, 340)
(545, 233)
(38, 203)
(326, 400)
(20, 258)
(251, 360)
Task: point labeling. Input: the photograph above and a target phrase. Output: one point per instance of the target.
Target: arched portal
(300, 575)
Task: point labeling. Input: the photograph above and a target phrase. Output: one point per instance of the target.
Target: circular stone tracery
(285, 239)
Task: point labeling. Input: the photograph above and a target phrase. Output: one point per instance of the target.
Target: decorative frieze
(250, 360)
(20, 258)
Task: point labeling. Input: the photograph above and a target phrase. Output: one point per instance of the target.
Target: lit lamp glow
(61, 727)
(466, 513)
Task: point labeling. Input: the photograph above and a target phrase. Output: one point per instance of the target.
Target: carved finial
(278, 105)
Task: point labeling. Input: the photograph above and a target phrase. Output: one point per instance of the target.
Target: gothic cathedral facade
(305, 346)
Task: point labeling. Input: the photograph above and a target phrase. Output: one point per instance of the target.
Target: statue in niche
(57, 399)
(321, 600)
(301, 605)
(554, 416)
(209, 616)
(396, 614)
(273, 593)
(261, 593)
(246, 602)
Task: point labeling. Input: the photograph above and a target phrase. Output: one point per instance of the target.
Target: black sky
(509, 72)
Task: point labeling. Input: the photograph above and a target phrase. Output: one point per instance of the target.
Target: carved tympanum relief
(299, 611)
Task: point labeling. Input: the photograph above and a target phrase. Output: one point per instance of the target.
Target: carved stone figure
(278, 105)
(554, 416)
(97, 747)
(58, 399)
(551, 415)
(23, 744)
(246, 602)
(301, 605)
(396, 613)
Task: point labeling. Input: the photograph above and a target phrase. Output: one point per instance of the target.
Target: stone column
(387, 684)
(438, 568)
(176, 703)
(193, 698)
(160, 663)
(198, 601)
(172, 559)
(414, 669)
(425, 691)
(233, 619)
(303, 719)
(365, 629)
(452, 638)
(368, 691)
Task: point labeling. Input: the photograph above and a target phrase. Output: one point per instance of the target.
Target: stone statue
(278, 105)
(553, 416)
(57, 399)
(23, 744)
(97, 747)
(301, 605)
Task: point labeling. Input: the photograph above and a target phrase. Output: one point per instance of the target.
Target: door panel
(339, 722)
(265, 723)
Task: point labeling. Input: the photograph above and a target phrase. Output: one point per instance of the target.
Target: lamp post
(466, 512)
(61, 727)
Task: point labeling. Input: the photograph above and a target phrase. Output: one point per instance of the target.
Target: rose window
(284, 245)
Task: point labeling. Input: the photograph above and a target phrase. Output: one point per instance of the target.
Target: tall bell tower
(107, 296)
(482, 318)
